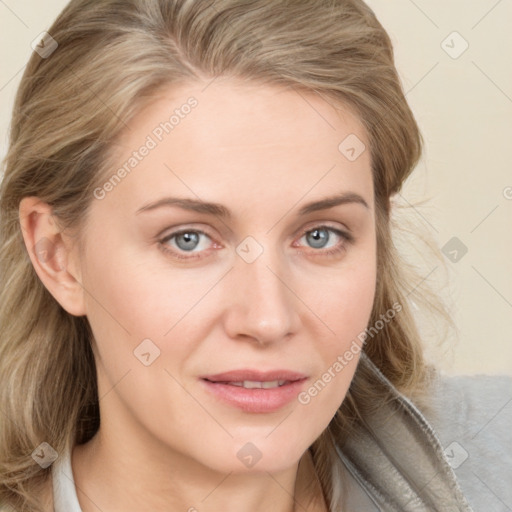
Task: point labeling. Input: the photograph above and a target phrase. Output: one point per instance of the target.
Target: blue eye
(186, 240)
(318, 237)
(321, 237)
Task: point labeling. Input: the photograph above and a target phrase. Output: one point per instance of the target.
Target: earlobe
(51, 254)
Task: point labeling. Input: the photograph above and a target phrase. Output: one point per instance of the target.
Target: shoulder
(472, 416)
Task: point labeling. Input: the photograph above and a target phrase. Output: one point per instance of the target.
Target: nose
(262, 306)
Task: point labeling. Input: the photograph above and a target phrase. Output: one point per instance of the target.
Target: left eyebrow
(330, 202)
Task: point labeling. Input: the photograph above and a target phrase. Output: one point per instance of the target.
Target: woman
(202, 307)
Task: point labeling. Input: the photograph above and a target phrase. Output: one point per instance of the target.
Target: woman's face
(263, 284)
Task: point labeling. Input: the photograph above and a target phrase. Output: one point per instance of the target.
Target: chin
(263, 454)
(254, 452)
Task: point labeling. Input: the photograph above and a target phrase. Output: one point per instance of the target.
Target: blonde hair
(112, 57)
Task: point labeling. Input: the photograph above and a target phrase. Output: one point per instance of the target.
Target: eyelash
(346, 237)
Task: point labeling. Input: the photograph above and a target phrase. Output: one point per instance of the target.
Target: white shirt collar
(64, 492)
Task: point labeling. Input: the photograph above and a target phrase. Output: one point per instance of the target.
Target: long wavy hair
(112, 57)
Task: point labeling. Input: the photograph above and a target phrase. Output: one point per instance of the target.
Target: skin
(165, 443)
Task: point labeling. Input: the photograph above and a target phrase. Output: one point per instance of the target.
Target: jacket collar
(395, 461)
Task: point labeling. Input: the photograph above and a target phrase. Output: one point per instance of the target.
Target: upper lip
(255, 376)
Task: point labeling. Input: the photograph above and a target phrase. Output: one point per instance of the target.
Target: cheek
(344, 305)
(347, 301)
(342, 298)
(142, 311)
(139, 296)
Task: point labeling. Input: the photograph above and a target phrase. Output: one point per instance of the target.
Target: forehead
(230, 141)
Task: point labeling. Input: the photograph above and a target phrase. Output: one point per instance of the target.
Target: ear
(52, 254)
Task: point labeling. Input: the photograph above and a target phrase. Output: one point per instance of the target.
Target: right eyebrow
(195, 205)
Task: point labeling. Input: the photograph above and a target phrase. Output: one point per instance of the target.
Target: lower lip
(256, 400)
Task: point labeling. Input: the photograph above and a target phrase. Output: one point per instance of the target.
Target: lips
(255, 391)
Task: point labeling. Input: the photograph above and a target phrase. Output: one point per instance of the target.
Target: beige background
(463, 104)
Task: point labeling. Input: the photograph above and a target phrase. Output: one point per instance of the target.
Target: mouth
(254, 391)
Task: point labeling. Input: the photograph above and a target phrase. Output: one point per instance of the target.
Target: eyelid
(180, 228)
(318, 224)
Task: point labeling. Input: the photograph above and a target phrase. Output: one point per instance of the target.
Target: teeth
(252, 384)
(272, 384)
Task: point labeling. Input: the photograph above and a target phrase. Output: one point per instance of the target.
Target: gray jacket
(456, 457)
